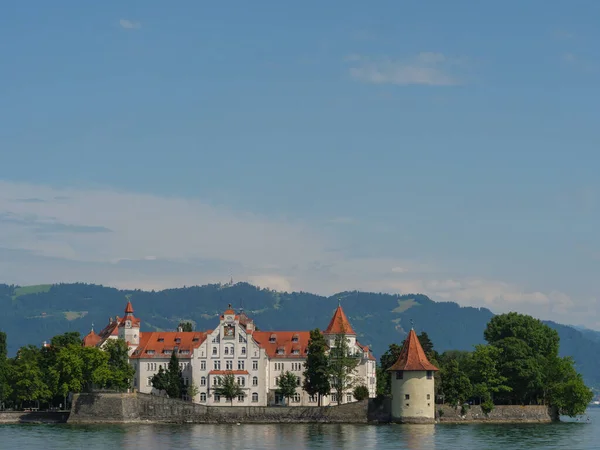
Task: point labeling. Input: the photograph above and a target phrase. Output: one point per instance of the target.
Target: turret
(413, 389)
(339, 324)
(129, 327)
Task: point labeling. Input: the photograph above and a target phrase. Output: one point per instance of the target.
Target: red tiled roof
(339, 323)
(129, 308)
(228, 372)
(412, 357)
(157, 342)
(365, 348)
(91, 339)
(283, 341)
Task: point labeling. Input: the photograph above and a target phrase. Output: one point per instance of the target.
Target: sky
(444, 148)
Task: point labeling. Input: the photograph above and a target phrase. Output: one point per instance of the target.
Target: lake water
(571, 436)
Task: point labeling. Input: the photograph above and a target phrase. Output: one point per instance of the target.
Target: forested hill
(33, 314)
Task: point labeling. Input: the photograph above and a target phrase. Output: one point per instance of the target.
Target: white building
(256, 358)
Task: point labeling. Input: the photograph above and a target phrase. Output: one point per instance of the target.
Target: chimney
(180, 329)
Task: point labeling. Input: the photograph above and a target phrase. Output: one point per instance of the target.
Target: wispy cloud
(129, 24)
(427, 68)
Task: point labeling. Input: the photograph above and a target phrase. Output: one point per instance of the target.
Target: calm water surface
(572, 436)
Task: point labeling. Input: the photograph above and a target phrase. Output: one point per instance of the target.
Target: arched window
(203, 381)
(203, 396)
(254, 397)
(255, 381)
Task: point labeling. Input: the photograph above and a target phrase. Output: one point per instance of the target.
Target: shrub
(464, 409)
(487, 406)
(440, 412)
(361, 393)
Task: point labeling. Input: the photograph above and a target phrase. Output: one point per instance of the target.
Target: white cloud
(427, 68)
(129, 25)
(132, 240)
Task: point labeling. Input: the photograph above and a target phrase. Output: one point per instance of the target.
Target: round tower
(413, 389)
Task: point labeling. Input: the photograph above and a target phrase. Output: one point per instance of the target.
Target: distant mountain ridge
(32, 314)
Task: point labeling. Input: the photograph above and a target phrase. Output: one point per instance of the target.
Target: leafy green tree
(229, 388)
(5, 389)
(160, 380)
(66, 339)
(69, 370)
(316, 367)
(118, 363)
(95, 369)
(485, 375)
(566, 389)
(175, 387)
(342, 366)
(192, 390)
(27, 379)
(387, 360)
(456, 386)
(186, 326)
(286, 384)
(361, 392)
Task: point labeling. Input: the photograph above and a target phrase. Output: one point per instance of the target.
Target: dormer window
(296, 352)
(178, 340)
(280, 351)
(150, 352)
(273, 338)
(167, 352)
(196, 339)
(295, 338)
(161, 339)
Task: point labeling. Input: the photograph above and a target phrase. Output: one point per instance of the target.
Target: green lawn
(35, 289)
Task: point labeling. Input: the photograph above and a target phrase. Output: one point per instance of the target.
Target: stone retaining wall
(34, 417)
(119, 408)
(501, 413)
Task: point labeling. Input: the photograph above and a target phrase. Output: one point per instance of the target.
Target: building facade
(256, 358)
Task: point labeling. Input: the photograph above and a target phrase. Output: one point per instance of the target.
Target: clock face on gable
(128, 324)
(228, 332)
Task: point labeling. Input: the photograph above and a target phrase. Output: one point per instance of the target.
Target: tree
(485, 375)
(160, 380)
(361, 392)
(69, 370)
(387, 360)
(287, 384)
(316, 367)
(456, 386)
(118, 363)
(95, 369)
(192, 390)
(27, 379)
(66, 339)
(175, 387)
(186, 326)
(5, 389)
(342, 365)
(229, 388)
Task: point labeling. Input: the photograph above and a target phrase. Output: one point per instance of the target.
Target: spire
(128, 308)
(412, 356)
(339, 322)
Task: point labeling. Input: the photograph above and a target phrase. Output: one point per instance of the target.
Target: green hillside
(33, 314)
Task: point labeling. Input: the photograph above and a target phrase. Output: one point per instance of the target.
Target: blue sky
(441, 147)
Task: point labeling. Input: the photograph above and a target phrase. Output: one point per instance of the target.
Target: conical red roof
(412, 356)
(91, 339)
(129, 308)
(339, 323)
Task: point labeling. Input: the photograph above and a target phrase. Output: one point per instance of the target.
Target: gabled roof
(285, 341)
(339, 323)
(154, 344)
(412, 356)
(91, 339)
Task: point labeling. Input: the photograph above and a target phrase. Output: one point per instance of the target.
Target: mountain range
(33, 314)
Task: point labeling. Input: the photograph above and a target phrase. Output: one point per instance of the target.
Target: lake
(572, 435)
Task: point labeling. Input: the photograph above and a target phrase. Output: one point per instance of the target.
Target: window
(334, 398)
(428, 396)
(240, 338)
(297, 367)
(406, 397)
(217, 365)
(161, 339)
(372, 380)
(297, 381)
(254, 365)
(214, 350)
(229, 365)
(149, 382)
(226, 351)
(296, 398)
(241, 381)
(240, 398)
(296, 351)
(243, 350)
(150, 352)
(254, 397)
(399, 375)
(202, 365)
(312, 399)
(240, 365)
(273, 338)
(167, 352)
(255, 381)
(203, 396)
(280, 351)
(186, 381)
(429, 374)
(203, 381)
(217, 398)
(349, 398)
(178, 340)
(295, 338)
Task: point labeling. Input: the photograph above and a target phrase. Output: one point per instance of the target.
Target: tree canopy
(316, 367)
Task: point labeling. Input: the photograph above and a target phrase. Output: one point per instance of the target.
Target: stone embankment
(500, 414)
(34, 417)
(142, 408)
(135, 408)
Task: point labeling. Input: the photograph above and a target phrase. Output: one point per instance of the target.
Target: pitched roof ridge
(339, 323)
(412, 356)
